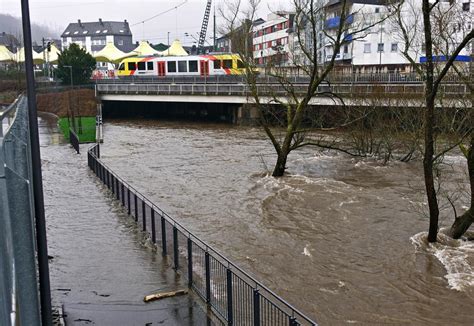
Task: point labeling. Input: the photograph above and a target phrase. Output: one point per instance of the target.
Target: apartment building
(272, 38)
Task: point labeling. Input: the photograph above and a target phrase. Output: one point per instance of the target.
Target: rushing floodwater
(341, 239)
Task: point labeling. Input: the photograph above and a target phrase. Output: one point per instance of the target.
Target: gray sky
(56, 14)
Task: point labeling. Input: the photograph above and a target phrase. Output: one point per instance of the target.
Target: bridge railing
(19, 303)
(232, 294)
(334, 77)
(275, 89)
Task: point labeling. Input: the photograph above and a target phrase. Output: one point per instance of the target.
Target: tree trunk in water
(280, 165)
(463, 222)
(428, 171)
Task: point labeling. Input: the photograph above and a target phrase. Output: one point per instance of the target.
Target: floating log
(159, 296)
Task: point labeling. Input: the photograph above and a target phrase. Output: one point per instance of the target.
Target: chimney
(79, 22)
(100, 21)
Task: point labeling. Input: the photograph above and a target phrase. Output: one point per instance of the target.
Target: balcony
(335, 21)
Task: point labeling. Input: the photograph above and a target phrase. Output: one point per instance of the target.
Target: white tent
(143, 49)
(5, 54)
(176, 49)
(110, 53)
(19, 56)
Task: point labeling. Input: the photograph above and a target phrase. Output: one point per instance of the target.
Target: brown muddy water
(341, 239)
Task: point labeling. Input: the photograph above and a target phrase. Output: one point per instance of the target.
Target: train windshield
(122, 67)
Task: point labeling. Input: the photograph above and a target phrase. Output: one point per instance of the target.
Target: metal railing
(232, 294)
(19, 294)
(335, 77)
(74, 140)
(275, 89)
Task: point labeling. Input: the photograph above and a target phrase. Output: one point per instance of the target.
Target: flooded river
(341, 239)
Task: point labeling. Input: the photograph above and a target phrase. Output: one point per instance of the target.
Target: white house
(93, 36)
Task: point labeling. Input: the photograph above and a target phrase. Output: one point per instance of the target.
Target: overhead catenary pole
(40, 222)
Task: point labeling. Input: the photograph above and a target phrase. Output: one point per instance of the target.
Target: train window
(240, 64)
(149, 65)
(122, 66)
(141, 66)
(132, 66)
(227, 64)
(217, 64)
(182, 66)
(193, 66)
(171, 66)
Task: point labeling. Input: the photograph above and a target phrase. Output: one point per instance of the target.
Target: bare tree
(434, 30)
(289, 102)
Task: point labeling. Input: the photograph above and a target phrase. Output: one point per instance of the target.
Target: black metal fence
(74, 140)
(232, 294)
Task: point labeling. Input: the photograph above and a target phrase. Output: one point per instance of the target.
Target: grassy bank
(85, 128)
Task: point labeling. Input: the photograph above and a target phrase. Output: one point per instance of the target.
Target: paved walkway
(101, 266)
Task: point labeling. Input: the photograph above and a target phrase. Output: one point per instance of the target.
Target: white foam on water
(306, 251)
(453, 254)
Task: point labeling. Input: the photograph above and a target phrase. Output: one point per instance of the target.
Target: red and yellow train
(193, 65)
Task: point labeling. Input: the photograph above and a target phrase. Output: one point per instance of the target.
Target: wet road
(341, 239)
(101, 262)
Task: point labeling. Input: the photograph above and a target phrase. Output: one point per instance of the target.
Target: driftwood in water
(159, 296)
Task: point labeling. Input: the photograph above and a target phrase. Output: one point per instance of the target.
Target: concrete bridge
(236, 94)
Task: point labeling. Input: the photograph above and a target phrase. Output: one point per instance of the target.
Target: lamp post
(70, 101)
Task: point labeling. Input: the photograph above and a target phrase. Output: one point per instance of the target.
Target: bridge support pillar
(247, 115)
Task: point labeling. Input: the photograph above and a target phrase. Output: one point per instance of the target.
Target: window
(377, 10)
(367, 48)
(380, 47)
(85, 32)
(131, 66)
(227, 64)
(120, 42)
(240, 64)
(149, 65)
(346, 49)
(171, 66)
(193, 66)
(394, 47)
(465, 6)
(141, 66)
(104, 31)
(67, 33)
(217, 64)
(76, 32)
(121, 67)
(182, 66)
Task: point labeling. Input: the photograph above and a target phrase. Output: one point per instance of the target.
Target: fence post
(163, 235)
(153, 227)
(129, 207)
(208, 277)
(294, 322)
(230, 315)
(190, 263)
(143, 215)
(136, 207)
(123, 194)
(256, 307)
(175, 247)
(117, 183)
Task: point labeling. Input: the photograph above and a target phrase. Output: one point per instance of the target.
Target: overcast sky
(56, 14)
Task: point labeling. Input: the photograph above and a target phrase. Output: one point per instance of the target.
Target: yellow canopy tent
(144, 48)
(176, 49)
(5, 54)
(110, 53)
(51, 56)
(20, 56)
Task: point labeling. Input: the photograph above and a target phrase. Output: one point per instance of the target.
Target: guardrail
(392, 78)
(232, 294)
(74, 140)
(276, 90)
(19, 294)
